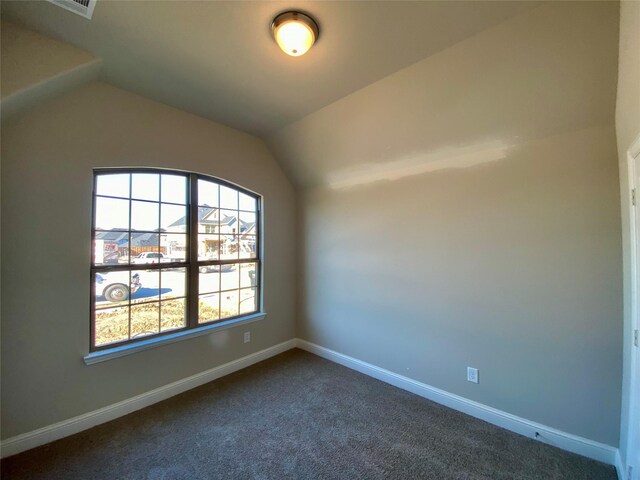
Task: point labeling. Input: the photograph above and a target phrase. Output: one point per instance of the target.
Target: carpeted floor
(298, 416)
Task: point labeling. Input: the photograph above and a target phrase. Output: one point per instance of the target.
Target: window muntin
(171, 251)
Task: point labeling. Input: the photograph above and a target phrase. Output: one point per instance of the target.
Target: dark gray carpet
(298, 416)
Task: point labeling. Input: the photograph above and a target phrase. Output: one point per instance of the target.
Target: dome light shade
(294, 32)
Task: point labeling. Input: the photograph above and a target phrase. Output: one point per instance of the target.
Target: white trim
(620, 466)
(551, 436)
(111, 353)
(632, 436)
(38, 437)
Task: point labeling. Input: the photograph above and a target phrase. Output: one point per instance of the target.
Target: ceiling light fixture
(294, 32)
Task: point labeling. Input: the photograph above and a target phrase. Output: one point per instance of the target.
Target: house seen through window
(171, 251)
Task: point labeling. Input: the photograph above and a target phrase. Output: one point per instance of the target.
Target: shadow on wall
(418, 163)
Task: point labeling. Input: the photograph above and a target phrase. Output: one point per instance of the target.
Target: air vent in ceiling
(81, 7)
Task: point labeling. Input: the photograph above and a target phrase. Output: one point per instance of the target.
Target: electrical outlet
(247, 337)
(472, 375)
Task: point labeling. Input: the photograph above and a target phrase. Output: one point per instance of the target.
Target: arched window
(172, 251)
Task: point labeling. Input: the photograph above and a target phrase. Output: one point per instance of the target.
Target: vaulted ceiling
(218, 60)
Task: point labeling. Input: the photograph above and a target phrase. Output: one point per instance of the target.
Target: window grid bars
(191, 299)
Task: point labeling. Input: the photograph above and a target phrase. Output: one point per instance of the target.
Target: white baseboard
(566, 441)
(552, 436)
(620, 469)
(38, 437)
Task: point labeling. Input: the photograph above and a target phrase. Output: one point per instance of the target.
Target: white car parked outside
(115, 286)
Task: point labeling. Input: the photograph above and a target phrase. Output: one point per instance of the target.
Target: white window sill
(121, 351)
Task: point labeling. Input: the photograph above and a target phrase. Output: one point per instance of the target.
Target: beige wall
(512, 267)
(465, 211)
(36, 68)
(47, 159)
(628, 129)
(29, 58)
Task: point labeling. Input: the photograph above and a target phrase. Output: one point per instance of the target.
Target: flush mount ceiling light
(294, 32)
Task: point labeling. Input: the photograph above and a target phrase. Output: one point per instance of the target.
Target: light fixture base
(294, 32)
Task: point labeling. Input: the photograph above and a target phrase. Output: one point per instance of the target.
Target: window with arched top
(172, 251)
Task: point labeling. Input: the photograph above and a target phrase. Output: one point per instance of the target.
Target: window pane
(145, 319)
(121, 242)
(173, 218)
(248, 246)
(247, 202)
(229, 277)
(145, 248)
(248, 275)
(207, 193)
(172, 314)
(114, 288)
(111, 325)
(149, 286)
(145, 186)
(174, 282)
(111, 248)
(208, 247)
(228, 198)
(209, 279)
(209, 308)
(248, 300)
(113, 185)
(228, 221)
(112, 214)
(144, 216)
(229, 247)
(247, 223)
(229, 304)
(174, 247)
(208, 220)
(174, 189)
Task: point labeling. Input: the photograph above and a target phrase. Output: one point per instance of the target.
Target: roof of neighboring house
(138, 239)
(247, 228)
(206, 217)
(203, 213)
